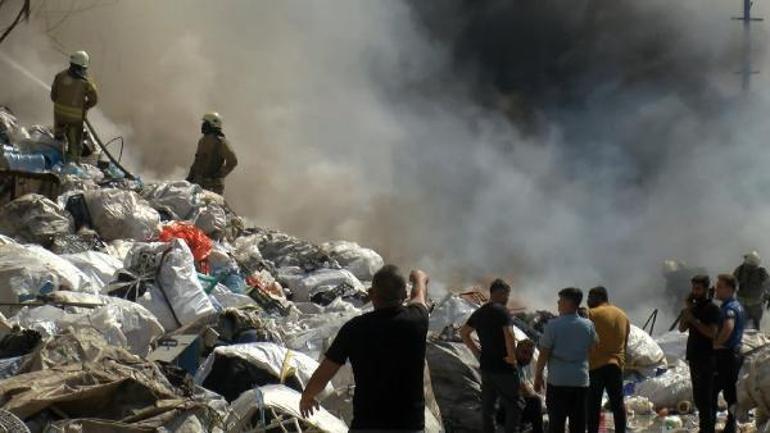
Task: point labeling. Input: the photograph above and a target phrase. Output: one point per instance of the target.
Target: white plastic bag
(122, 323)
(362, 262)
(119, 214)
(305, 284)
(181, 198)
(34, 218)
(212, 219)
(100, 267)
(177, 288)
(26, 269)
(668, 389)
(643, 354)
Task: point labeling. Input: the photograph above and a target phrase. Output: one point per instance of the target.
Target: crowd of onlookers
(582, 349)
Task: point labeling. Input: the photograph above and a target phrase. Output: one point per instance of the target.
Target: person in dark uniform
(499, 376)
(214, 158)
(700, 318)
(727, 346)
(752, 281)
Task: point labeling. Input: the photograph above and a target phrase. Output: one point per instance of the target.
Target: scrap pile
(136, 307)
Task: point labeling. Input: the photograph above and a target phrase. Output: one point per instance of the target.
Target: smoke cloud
(554, 143)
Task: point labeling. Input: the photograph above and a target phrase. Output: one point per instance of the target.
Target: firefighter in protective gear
(752, 287)
(214, 159)
(678, 275)
(73, 94)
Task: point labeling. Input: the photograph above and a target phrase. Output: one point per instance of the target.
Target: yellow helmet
(213, 119)
(80, 58)
(752, 258)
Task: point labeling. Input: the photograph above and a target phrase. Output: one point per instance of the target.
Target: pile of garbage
(131, 306)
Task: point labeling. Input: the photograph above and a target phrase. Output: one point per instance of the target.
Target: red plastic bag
(199, 243)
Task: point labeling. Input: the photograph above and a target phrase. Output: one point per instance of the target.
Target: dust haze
(574, 144)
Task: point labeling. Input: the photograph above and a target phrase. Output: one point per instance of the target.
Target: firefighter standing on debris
(73, 94)
(214, 159)
(752, 287)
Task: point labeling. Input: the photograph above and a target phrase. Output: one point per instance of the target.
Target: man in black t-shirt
(701, 318)
(386, 348)
(499, 377)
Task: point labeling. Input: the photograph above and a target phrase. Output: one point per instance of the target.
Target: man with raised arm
(386, 348)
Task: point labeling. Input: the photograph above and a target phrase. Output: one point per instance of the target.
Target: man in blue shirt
(564, 347)
(727, 346)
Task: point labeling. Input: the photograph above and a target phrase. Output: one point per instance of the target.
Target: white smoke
(350, 122)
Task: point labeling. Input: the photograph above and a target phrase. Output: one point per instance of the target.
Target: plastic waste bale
(754, 384)
(212, 219)
(34, 219)
(119, 214)
(176, 296)
(196, 240)
(29, 270)
(362, 262)
(669, 389)
(100, 267)
(280, 400)
(454, 374)
(288, 251)
(256, 364)
(306, 285)
(178, 199)
(122, 323)
(643, 354)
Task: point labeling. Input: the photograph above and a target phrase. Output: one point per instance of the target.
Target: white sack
(305, 284)
(119, 214)
(178, 280)
(100, 267)
(668, 389)
(25, 269)
(643, 354)
(362, 262)
(181, 197)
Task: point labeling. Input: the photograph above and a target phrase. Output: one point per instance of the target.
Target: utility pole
(747, 71)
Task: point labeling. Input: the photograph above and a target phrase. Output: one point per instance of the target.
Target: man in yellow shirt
(607, 359)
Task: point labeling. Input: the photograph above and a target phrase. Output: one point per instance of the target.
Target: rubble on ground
(132, 307)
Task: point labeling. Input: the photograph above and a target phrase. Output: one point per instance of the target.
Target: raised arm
(419, 280)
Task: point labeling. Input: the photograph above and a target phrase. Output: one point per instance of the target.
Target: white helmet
(671, 266)
(80, 58)
(752, 258)
(213, 119)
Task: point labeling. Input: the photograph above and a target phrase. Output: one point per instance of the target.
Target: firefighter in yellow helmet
(214, 159)
(73, 94)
